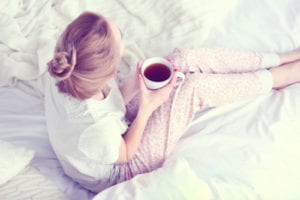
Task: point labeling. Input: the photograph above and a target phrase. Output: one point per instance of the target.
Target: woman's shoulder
(113, 103)
(62, 105)
(72, 108)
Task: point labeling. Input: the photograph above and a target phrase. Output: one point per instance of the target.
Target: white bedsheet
(246, 150)
(22, 122)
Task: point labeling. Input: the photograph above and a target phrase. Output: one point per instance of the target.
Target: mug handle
(180, 78)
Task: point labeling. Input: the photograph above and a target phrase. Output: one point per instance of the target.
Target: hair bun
(61, 66)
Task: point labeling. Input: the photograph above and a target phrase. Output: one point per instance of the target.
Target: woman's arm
(149, 101)
(132, 138)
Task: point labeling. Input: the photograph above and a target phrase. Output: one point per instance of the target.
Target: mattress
(246, 150)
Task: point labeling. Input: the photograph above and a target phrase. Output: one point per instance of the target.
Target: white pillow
(175, 180)
(13, 159)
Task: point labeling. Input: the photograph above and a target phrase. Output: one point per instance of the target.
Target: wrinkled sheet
(245, 150)
(30, 184)
(30, 29)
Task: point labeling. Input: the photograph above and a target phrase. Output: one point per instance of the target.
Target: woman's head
(86, 55)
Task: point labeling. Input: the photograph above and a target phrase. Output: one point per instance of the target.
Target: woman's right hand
(150, 100)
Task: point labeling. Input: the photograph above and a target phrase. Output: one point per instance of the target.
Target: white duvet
(248, 150)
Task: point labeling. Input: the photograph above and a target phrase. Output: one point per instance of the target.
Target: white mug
(158, 72)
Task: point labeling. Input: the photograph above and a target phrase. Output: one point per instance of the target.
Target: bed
(246, 150)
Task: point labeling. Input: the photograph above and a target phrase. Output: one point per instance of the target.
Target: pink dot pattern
(214, 76)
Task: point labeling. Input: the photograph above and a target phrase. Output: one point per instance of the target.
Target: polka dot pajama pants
(214, 76)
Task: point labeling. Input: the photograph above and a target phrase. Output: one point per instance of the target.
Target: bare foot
(286, 75)
(289, 57)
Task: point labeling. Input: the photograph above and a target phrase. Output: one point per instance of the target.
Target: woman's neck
(102, 93)
(99, 96)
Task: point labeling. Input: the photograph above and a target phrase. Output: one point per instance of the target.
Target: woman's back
(85, 134)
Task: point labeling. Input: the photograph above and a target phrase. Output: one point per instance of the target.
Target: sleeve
(101, 141)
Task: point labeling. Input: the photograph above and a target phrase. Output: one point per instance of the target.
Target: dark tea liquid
(157, 72)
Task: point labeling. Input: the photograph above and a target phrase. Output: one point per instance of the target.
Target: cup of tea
(158, 72)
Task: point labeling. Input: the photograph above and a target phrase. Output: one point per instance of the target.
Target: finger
(139, 75)
(139, 67)
(169, 86)
(176, 68)
(141, 82)
(173, 80)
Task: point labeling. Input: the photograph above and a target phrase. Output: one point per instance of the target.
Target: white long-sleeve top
(86, 135)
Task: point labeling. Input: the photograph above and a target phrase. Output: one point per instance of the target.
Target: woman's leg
(225, 60)
(218, 89)
(168, 122)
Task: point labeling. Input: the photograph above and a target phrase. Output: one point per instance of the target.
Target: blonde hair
(85, 57)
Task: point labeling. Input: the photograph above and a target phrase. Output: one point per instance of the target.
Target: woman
(96, 144)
